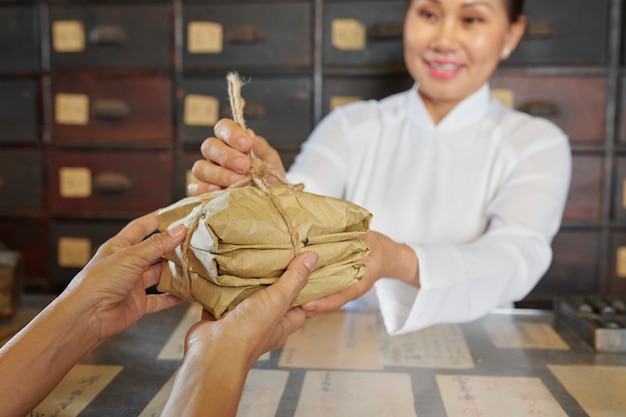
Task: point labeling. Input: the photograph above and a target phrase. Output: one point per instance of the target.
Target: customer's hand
(111, 287)
(226, 157)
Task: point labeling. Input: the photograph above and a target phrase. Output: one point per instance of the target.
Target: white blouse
(478, 196)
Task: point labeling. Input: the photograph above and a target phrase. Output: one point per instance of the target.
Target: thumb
(295, 278)
(158, 244)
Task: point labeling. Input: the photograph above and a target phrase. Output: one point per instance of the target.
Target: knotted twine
(258, 176)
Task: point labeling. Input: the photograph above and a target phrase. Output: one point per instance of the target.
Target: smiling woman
(452, 47)
(466, 194)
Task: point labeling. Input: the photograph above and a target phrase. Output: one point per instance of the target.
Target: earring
(506, 52)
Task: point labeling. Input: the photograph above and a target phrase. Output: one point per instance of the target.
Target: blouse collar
(472, 109)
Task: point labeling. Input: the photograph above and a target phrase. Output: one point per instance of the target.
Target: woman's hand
(386, 259)
(226, 157)
(111, 287)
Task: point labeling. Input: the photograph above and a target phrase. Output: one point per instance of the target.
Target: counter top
(508, 363)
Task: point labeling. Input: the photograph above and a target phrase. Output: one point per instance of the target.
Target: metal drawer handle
(110, 110)
(252, 111)
(107, 35)
(540, 108)
(111, 183)
(540, 29)
(244, 34)
(386, 31)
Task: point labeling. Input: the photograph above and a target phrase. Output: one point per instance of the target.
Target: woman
(466, 194)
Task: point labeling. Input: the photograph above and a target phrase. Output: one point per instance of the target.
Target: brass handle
(540, 108)
(386, 31)
(540, 29)
(111, 183)
(107, 35)
(252, 110)
(244, 34)
(110, 110)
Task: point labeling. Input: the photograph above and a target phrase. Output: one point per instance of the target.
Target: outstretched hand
(112, 286)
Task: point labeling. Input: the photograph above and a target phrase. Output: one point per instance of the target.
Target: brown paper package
(241, 243)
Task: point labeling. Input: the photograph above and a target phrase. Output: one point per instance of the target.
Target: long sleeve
(479, 198)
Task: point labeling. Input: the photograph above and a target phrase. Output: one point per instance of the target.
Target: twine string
(259, 175)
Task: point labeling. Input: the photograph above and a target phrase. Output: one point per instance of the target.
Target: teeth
(444, 67)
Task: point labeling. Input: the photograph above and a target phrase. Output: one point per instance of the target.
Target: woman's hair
(515, 8)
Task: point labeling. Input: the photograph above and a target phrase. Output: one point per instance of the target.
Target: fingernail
(192, 189)
(310, 260)
(243, 142)
(240, 164)
(177, 231)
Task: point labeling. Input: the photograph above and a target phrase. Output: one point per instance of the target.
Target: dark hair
(515, 8)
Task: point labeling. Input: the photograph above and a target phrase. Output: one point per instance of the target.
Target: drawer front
(254, 36)
(110, 36)
(575, 264)
(20, 180)
(342, 90)
(30, 237)
(363, 33)
(576, 104)
(585, 194)
(73, 244)
(564, 32)
(112, 183)
(617, 264)
(123, 111)
(19, 38)
(279, 109)
(19, 118)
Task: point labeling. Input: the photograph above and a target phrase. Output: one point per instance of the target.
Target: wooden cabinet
(103, 106)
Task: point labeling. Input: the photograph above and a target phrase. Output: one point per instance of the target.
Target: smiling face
(451, 47)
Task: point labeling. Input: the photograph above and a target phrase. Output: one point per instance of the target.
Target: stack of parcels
(240, 243)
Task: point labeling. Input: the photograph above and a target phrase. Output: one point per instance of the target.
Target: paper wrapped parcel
(240, 243)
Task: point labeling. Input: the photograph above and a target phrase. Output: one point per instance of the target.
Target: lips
(443, 69)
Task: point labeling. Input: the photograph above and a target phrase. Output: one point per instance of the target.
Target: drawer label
(505, 95)
(348, 34)
(338, 101)
(201, 110)
(75, 182)
(71, 109)
(205, 38)
(74, 252)
(68, 36)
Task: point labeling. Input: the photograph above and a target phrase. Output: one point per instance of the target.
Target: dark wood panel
(257, 36)
(19, 38)
(576, 104)
(107, 183)
(585, 194)
(30, 237)
(363, 33)
(110, 36)
(123, 111)
(19, 115)
(277, 108)
(21, 180)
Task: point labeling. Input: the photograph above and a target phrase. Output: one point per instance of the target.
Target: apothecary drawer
(363, 33)
(110, 36)
(576, 104)
(19, 38)
(255, 36)
(125, 111)
(109, 183)
(21, 187)
(277, 108)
